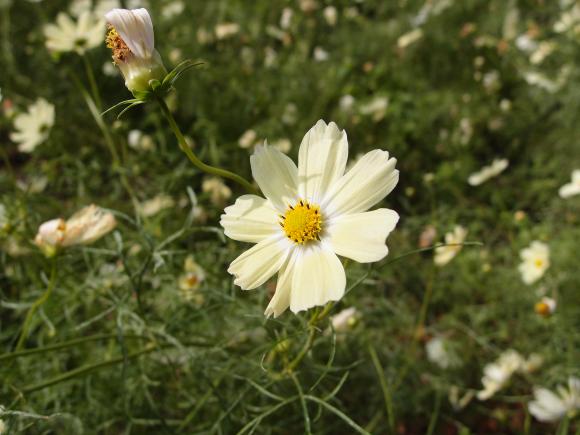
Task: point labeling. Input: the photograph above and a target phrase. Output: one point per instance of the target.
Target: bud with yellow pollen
(131, 39)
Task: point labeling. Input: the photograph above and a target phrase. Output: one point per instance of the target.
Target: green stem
(384, 387)
(317, 316)
(194, 159)
(36, 305)
(86, 370)
(92, 81)
(63, 345)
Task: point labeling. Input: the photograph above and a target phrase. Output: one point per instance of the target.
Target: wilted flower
(453, 240)
(376, 108)
(84, 227)
(487, 172)
(312, 213)
(320, 54)
(217, 190)
(33, 127)
(535, 262)
(191, 280)
(497, 374)
(226, 30)
(248, 139)
(572, 188)
(546, 306)
(409, 38)
(154, 205)
(330, 15)
(345, 319)
(438, 353)
(132, 41)
(548, 406)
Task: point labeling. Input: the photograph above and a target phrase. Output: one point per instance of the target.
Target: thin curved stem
(36, 305)
(92, 81)
(194, 159)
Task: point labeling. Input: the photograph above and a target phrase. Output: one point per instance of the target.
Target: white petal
(255, 266)
(318, 278)
(277, 176)
(362, 236)
(281, 299)
(371, 179)
(135, 28)
(250, 219)
(321, 160)
(569, 190)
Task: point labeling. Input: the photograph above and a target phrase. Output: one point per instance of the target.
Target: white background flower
(67, 35)
(33, 127)
(535, 262)
(497, 374)
(444, 254)
(572, 188)
(487, 172)
(301, 240)
(548, 406)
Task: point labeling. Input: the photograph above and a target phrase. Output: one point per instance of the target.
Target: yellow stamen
(121, 51)
(542, 309)
(302, 222)
(538, 263)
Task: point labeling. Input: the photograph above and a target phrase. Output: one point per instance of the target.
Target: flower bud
(131, 39)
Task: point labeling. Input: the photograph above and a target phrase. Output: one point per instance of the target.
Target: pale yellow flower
(453, 240)
(535, 262)
(497, 374)
(312, 213)
(33, 127)
(84, 227)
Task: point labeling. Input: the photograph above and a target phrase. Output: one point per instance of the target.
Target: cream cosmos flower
(535, 262)
(68, 35)
(444, 254)
(312, 213)
(572, 188)
(548, 406)
(132, 41)
(32, 128)
(84, 227)
(487, 172)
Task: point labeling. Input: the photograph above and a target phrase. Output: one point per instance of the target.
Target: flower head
(312, 213)
(33, 127)
(496, 375)
(548, 406)
(68, 35)
(191, 280)
(535, 262)
(439, 353)
(131, 39)
(573, 187)
(84, 227)
(453, 240)
(487, 172)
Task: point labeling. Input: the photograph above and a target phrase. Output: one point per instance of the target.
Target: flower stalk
(194, 159)
(36, 305)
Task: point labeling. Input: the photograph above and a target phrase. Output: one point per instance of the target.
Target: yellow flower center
(538, 262)
(121, 51)
(542, 309)
(302, 222)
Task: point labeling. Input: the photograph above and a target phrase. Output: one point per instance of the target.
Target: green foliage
(118, 349)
